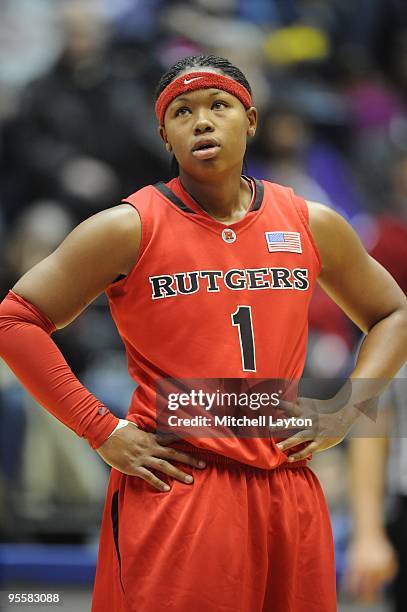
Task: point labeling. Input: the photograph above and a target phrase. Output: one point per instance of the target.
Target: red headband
(199, 80)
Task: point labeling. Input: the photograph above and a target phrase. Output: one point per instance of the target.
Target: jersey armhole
(121, 280)
(303, 212)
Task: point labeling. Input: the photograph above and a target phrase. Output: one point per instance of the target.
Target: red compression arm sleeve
(26, 346)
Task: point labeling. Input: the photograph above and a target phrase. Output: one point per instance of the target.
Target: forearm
(384, 349)
(367, 461)
(28, 349)
(382, 354)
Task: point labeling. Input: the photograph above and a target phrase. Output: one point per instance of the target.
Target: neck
(225, 198)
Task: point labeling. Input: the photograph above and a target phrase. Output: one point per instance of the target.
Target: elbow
(7, 326)
(400, 314)
(397, 316)
(402, 318)
(398, 319)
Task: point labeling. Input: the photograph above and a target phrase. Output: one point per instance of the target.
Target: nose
(202, 124)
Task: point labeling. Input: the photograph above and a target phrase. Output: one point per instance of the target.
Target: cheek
(237, 137)
(176, 138)
(236, 126)
(179, 148)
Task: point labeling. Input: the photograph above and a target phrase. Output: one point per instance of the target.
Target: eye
(219, 104)
(182, 111)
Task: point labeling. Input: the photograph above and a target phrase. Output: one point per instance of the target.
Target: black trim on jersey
(115, 524)
(259, 195)
(119, 278)
(170, 195)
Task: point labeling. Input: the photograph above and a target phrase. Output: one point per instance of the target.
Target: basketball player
(208, 276)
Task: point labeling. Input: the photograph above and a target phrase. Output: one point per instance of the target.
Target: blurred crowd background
(78, 133)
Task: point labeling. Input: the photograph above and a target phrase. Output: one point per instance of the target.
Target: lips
(205, 148)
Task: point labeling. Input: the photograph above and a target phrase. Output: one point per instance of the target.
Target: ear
(163, 136)
(251, 115)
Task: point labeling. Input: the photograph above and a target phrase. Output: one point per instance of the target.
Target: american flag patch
(283, 241)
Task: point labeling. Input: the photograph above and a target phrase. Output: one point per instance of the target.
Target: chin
(210, 167)
(198, 169)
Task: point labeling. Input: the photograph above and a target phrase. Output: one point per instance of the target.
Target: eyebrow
(214, 93)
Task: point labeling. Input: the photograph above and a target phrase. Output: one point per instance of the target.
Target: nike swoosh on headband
(187, 81)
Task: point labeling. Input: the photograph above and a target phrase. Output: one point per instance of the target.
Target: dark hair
(200, 61)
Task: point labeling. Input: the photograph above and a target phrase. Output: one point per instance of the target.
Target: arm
(371, 559)
(367, 463)
(365, 291)
(53, 293)
(371, 298)
(50, 295)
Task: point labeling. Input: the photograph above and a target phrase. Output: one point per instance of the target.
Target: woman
(209, 276)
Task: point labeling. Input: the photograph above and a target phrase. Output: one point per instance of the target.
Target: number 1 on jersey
(242, 318)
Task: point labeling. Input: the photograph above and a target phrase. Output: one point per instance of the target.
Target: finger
(303, 453)
(351, 581)
(289, 407)
(174, 455)
(299, 438)
(370, 588)
(170, 470)
(275, 430)
(146, 475)
(376, 580)
(391, 571)
(166, 438)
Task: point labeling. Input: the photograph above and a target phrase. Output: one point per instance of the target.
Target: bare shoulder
(334, 236)
(124, 216)
(325, 221)
(117, 228)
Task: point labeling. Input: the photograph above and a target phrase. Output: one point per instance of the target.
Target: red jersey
(209, 300)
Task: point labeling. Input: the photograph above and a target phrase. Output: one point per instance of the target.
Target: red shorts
(239, 539)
